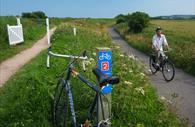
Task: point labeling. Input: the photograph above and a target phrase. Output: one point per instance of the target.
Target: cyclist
(158, 41)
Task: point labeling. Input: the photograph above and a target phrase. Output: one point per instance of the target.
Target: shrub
(120, 18)
(138, 21)
(36, 15)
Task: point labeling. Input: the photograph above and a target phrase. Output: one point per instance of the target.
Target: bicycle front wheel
(60, 105)
(168, 70)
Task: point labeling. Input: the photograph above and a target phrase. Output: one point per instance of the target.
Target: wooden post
(106, 106)
(104, 63)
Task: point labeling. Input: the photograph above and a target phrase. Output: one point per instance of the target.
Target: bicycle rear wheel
(152, 64)
(168, 70)
(60, 105)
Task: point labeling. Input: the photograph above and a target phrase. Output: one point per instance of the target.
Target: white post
(18, 21)
(8, 32)
(48, 34)
(75, 31)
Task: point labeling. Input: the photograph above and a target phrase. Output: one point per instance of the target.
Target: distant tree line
(175, 17)
(136, 21)
(34, 15)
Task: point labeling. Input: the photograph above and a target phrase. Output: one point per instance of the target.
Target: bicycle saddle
(104, 79)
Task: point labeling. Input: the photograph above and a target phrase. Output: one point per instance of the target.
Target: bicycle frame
(161, 54)
(70, 70)
(96, 88)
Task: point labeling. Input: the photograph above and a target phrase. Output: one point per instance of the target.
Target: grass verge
(25, 100)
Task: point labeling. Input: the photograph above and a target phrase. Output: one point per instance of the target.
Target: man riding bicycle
(158, 41)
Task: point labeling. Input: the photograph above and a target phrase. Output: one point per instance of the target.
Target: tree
(120, 18)
(138, 21)
(34, 15)
(40, 14)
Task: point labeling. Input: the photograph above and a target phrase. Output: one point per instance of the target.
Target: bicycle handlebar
(50, 53)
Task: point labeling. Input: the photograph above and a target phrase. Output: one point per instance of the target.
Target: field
(180, 35)
(32, 29)
(25, 100)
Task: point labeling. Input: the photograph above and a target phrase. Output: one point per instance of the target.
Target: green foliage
(138, 21)
(36, 15)
(25, 100)
(3, 27)
(120, 18)
(32, 31)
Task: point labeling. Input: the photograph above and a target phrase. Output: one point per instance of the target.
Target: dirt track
(179, 93)
(11, 65)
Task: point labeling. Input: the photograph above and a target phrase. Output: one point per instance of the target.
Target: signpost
(104, 63)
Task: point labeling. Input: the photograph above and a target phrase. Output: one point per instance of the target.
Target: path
(179, 93)
(11, 65)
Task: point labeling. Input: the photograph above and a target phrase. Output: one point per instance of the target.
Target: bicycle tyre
(151, 63)
(165, 68)
(60, 105)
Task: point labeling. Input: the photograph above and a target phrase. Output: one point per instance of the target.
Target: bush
(138, 21)
(35, 15)
(120, 18)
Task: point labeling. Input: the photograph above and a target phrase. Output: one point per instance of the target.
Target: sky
(97, 8)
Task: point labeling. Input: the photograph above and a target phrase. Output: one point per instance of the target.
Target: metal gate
(15, 34)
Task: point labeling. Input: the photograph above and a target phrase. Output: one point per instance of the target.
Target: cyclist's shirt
(158, 42)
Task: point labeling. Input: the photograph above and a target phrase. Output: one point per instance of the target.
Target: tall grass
(180, 35)
(32, 30)
(25, 100)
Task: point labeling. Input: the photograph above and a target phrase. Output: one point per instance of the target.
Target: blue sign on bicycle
(104, 63)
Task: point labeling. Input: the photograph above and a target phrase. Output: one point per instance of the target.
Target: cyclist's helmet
(158, 28)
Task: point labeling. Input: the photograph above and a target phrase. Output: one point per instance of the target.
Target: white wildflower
(117, 47)
(128, 83)
(124, 65)
(94, 53)
(87, 62)
(166, 100)
(121, 55)
(91, 59)
(169, 101)
(131, 56)
(141, 90)
(142, 74)
(162, 98)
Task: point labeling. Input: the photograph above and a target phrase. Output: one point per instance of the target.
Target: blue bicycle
(63, 99)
